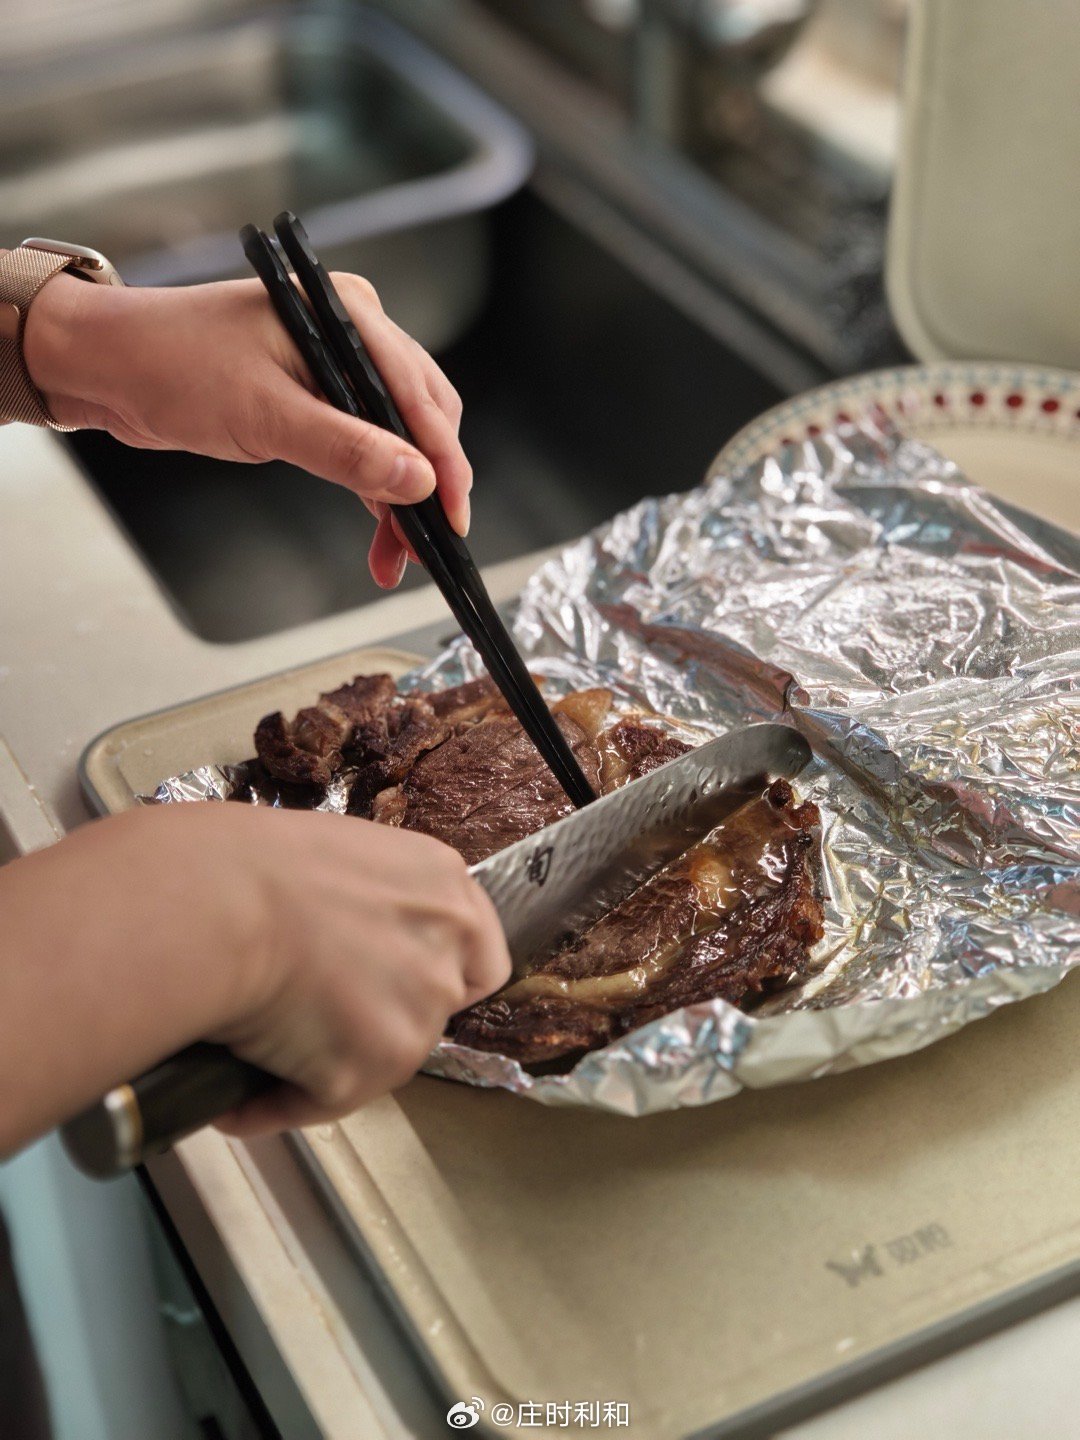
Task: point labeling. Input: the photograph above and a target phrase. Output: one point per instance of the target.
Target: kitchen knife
(559, 880)
(543, 887)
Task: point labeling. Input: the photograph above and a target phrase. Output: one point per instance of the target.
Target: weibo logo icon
(464, 1416)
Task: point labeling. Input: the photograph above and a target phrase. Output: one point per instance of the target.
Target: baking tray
(719, 1271)
(128, 760)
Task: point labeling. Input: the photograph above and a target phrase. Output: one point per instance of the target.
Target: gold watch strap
(22, 274)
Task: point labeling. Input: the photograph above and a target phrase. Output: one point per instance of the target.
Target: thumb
(375, 463)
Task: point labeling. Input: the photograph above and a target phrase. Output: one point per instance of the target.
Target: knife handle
(152, 1112)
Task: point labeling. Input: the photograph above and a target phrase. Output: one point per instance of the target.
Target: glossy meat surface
(734, 917)
(454, 763)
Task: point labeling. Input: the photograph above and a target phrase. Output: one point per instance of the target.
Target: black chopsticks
(349, 379)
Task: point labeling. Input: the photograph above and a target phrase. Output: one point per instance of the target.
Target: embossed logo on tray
(875, 1259)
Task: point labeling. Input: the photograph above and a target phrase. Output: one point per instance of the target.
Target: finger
(403, 539)
(328, 1086)
(268, 1115)
(437, 438)
(439, 387)
(387, 557)
(410, 376)
(374, 463)
(394, 522)
(488, 967)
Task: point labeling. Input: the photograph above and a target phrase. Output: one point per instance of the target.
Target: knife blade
(556, 882)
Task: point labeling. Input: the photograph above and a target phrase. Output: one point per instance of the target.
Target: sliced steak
(544, 1029)
(468, 703)
(485, 787)
(736, 915)
(285, 760)
(252, 785)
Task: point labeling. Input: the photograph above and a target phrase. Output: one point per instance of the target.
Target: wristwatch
(23, 272)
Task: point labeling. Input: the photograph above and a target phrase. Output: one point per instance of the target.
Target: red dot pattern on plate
(1014, 400)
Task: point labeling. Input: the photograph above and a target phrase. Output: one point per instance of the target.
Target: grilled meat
(468, 703)
(384, 748)
(309, 750)
(735, 916)
(629, 750)
(367, 729)
(485, 788)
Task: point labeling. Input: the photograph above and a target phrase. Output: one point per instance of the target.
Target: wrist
(205, 907)
(65, 346)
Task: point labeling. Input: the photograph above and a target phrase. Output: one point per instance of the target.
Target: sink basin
(584, 390)
(157, 150)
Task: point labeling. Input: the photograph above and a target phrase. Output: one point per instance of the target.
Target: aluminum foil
(926, 640)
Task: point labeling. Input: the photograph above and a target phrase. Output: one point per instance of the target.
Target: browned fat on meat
(630, 749)
(734, 917)
(468, 703)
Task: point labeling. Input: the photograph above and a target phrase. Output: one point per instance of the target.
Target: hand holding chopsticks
(349, 379)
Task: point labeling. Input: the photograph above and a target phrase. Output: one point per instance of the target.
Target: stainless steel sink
(584, 387)
(156, 150)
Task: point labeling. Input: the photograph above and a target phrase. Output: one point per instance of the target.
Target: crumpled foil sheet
(926, 640)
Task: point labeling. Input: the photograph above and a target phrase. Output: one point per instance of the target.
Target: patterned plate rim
(1028, 398)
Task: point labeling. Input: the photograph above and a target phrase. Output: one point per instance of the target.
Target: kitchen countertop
(87, 639)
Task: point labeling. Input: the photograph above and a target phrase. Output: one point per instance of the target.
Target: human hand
(324, 948)
(378, 936)
(210, 368)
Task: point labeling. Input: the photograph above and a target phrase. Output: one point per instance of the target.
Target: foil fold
(925, 638)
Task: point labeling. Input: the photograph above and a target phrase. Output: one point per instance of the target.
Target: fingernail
(464, 519)
(410, 478)
(397, 575)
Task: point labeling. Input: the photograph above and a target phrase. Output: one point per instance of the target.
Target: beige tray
(717, 1270)
(131, 759)
(724, 1269)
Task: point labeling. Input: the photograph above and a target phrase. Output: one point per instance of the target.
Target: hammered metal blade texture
(558, 880)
